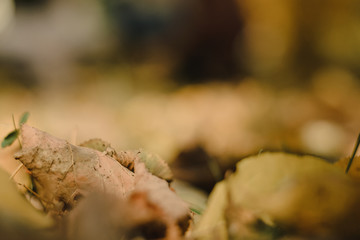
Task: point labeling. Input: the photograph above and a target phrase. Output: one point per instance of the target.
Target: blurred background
(202, 83)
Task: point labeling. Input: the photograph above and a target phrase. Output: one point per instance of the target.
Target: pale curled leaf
(96, 144)
(156, 165)
(153, 162)
(175, 210)
(101, 216)
(158, 190)
(127, 158)
(151, 211)
(63, 171)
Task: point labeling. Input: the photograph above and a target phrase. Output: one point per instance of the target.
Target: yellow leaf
(212, 224)
(299, 194)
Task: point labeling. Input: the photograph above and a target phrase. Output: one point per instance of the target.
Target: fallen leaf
(212, 224)
(175, 210)
(64, 172)
(155, 165)
(153, 162)
(151, 211)
(96, 144)
(120, 218)
(287, 194)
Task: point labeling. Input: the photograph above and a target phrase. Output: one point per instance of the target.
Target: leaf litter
(283, 196)
(64, 174)
(269, 196)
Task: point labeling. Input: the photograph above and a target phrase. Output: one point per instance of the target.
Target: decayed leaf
(96, 144)
(175, 210)
(127, 158)
(156, 165)
(153, 162)
(63, 172)
(289, 194)
(131, 218)
(151, 211)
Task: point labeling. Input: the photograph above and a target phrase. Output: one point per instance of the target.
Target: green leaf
(24, 118)
(10, 138)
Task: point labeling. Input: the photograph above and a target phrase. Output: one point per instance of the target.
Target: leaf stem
(16, 171)
(33, 193)
(13, 118)
(353, 154)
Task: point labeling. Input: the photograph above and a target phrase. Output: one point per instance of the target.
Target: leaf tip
(24, 118)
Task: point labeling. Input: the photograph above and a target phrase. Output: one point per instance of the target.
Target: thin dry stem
(16, 171)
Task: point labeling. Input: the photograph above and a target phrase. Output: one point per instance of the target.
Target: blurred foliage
(14, 206)
(281, 43)
(201, 83)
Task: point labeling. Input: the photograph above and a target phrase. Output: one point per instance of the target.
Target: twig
(16, 171)
(30, 190)
(353, 154)
(33, 193)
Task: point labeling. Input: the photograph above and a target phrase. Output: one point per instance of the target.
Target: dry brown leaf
(156, 165)
(175, 211)
(97, 144)
(63, 172)
(151, 211)
(120, 218)
(126, 158)
(153, 162)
